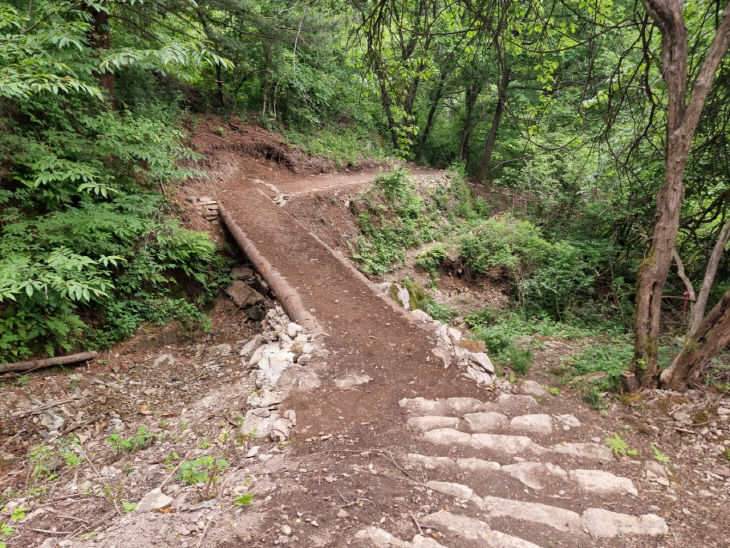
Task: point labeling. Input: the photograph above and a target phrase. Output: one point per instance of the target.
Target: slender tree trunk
(698, 311)
(471, 95)
(219, 85)
(410, 100)
(385, 100)
(712, 336)
(101, 40)
(491, 139)
(682, 119)
(431, 115)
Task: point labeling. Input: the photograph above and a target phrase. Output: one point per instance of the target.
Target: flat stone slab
(541, 424)
(594, 521)
(467, 464)
(379, 538)
(604, 523)
(536, 475)
(533, 388)
(485, 421)
(508, 445)
(603, 483)
(590, 451)
(461, 492)
(473, 532)
(535, 512)
(432, 422)
(442, 406)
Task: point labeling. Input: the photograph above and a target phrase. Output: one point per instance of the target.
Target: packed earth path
(394, 445)
(389, 429)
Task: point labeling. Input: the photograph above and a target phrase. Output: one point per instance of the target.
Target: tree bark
(682, 119)
(698, 311)
(101, 40)
(471, 95)
(385, 100)
(431, 115)
(491, 139)
(47, 362)
(711, 337)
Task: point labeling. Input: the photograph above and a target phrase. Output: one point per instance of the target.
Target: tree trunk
(491, 139)
(655, 267)
(385, 100)
(712, 336)
(101, 40)
(698, 311)
(471, 95)
(682, 119)
(431, 115)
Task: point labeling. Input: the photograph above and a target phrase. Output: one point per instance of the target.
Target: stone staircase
(512, 483)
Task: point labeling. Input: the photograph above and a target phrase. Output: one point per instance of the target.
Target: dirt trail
(417, 451)
(364, 333)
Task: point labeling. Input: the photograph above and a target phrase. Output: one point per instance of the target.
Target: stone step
(594, 521)
(471, 531)
(535, 475)
(505, 403)
(488, 421)
(379, 538)
(597, 522)
(515, 445)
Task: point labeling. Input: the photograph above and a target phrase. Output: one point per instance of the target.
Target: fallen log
(47, 362)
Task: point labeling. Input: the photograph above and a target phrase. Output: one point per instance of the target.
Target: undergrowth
(454, 227)
(90, 249)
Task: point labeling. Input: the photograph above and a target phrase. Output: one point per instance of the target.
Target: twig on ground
(200, 541)
(358, 500)
(168, 478)
(48, 405)
(49, 532)
(98, 475)
(420, 531)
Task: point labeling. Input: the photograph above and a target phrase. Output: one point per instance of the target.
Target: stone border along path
(380, 362)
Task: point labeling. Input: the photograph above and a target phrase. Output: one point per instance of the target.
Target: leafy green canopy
(87, 251)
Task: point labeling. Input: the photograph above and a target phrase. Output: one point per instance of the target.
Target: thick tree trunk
(655, 267)
(682, 119)
(101, 40)
(711, 338)
(698, 312)
(492, 137)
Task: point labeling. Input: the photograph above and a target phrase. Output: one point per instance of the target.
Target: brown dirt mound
(213, 136)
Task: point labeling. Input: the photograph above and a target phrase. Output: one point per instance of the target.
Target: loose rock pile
(207, 206)
(282, 345)
(470, 355)
(451, 346)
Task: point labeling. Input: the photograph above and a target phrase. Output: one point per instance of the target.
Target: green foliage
(619, 446)
(519, 359)
(660, 457)
(440, 311)
(396, 219)
(129, 506)
(500, 329)
(245, 500)
(201, 470)
(431, 259)
(134, 443)
(86, 252)
(611, 357)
